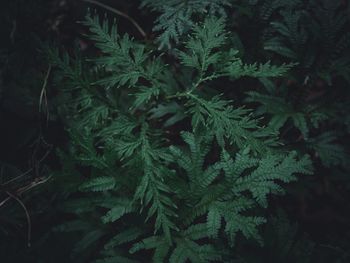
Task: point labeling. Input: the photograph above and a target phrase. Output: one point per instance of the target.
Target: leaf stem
(120, 13)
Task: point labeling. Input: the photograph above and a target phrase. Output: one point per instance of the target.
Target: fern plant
(168, 166)
(309, 100)
(315, 35)
(308, 108)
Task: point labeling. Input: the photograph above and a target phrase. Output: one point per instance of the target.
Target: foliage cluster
(179, 147)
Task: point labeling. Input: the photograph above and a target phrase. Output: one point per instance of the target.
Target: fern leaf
(121, 54)
(114, 259)
(123, 237)
(205, 38)
(262, 180)
(328, 151)
(175, 19)
(122, 207)
(213, 222)
(99, 184)
(225, 122)
(144, 95)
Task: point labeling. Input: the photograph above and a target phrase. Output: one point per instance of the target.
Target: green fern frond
(152, 190)
(226, 122)
(120, 208)
(125, 236)
(144, 95)
(281, 111)
(118, 52)
(202, 52)
(86, 152)
(114, 259)
(176, 16)
(262, 180)
(120, 126)
(193, 186)
(189, 250)
(213, 222)
(99, 184)
(201, 45)
(330, 152)
(176, 111)
(237, 69)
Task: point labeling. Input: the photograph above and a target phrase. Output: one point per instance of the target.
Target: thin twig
(120, 13)
(24, 189)
(4, 201)
(43, 94)
(33, 184)
(18, 177)
(27, 215)
(29, 170)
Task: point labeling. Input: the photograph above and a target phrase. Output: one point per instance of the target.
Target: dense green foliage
(177, 145)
